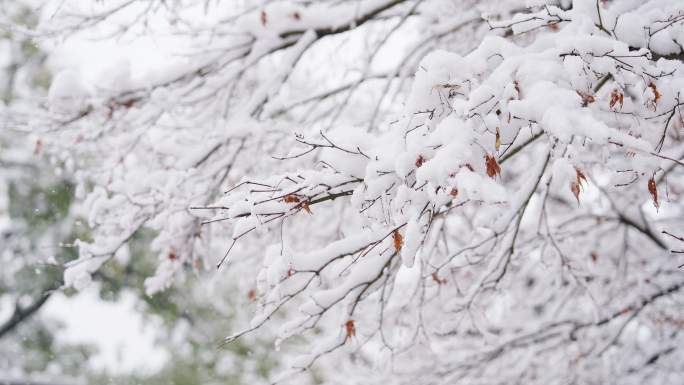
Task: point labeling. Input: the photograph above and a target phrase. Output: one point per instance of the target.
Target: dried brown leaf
(581, 178)
(587, 98)
(656, 94)
(653, 189)
(616, 97)
(305, 206)
(594, 256)
(575, 188)
(420, 161)
(398, 240)
(493, 168)
(436, 278)
(350, 328)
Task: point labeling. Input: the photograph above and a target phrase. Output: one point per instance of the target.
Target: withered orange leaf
(350, 328)
(615, 97)
(454, 192)
(587, 98)
(653, 189)
(575, 188)
(290, 199)
(594, 256)
(264, 18)
(305, 206)
(656, 93)
(251, 295)
(581, 178)
(436, 278)
(420, 161)
(493, 168)
(398, 240)
(128, 103)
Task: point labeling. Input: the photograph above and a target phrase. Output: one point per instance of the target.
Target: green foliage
(40, 207)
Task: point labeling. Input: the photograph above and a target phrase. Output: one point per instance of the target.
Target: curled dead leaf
(420, 161)
(575, 188)
(616, 97)
(454, 192)
(493, 168)
(350, 328)
(398, 240)
(438, 280)
(656, 94)
(581, 178)
(263, 18)
(653, 189)
(305, 206)
(290, 199)
(587, 98)
(578, 183)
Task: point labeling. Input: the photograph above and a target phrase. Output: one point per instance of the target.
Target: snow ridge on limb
(500, 145)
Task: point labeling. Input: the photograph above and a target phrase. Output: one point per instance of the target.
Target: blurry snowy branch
(19, 382)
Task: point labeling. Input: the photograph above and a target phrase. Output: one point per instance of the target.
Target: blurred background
(111, 333)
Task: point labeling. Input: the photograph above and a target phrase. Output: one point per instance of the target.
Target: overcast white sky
(126, 340)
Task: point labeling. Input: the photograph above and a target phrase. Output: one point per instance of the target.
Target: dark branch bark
(346, 27)
(22, 314)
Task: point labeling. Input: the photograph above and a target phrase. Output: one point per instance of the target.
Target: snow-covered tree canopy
(425, 191)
